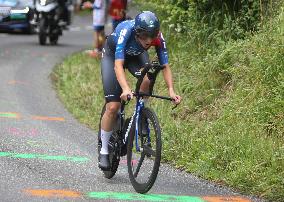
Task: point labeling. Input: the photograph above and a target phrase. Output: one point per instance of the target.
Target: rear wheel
(143, 165)
(114, 156)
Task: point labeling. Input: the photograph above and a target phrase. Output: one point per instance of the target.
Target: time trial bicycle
(138, 137)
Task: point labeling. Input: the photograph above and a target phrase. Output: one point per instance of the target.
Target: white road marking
(75, 29)
(89, 27)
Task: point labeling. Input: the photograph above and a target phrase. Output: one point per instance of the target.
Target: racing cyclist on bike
(127, 48)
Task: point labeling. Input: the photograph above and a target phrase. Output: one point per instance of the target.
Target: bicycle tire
(143, 187)
(114, 156)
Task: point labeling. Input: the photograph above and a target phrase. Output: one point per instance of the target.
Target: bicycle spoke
(139, 165)
(144, 173)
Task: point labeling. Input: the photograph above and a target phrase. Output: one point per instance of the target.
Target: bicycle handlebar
(155, 96)
(128, 97)
(149, 95)
(156, 67)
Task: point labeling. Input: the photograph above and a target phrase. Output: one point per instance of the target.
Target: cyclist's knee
(145, 85)
(146, 80)
(112, 108)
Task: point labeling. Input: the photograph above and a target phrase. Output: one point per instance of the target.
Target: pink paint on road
(124, 161)
(19, 132)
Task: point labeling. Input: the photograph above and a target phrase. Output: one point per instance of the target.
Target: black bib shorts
(112, 89)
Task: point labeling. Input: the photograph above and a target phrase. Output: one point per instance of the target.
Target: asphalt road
(46, 155)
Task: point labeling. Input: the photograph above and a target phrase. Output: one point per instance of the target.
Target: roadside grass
(78, 82)
(230, 125)
(84, 12)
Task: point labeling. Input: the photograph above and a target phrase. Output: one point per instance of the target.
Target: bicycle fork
(136, 115)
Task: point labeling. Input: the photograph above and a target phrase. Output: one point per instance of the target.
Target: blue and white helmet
(147, 24)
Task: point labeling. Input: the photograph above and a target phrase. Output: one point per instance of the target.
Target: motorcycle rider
(65, 14)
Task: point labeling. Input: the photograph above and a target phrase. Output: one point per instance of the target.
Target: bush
(211, 23)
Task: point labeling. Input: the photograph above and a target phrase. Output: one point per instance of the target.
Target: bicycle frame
(140, 101)
(139, 106)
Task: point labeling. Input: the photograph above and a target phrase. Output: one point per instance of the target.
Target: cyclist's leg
(145, 85)
(110, 115)
(111, 87)
(107, 124)
(112, 92)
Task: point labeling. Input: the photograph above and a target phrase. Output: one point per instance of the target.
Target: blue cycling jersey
(126, 43)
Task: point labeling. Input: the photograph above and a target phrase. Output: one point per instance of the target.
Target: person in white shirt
(100, 8)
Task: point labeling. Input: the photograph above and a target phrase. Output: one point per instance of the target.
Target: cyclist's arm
(120, 74)
(123, 37)
(161, 49)
(167, 73)
(163, 59)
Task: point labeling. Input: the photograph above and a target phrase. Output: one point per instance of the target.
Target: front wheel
(143, 166)
(42, 31)
(53, 39)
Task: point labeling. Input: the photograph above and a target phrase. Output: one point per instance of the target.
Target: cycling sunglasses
(147, 35)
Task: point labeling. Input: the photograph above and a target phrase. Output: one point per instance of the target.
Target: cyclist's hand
(176, 98)
(125, 93)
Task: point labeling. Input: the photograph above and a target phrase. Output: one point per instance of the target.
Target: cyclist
(127, 48)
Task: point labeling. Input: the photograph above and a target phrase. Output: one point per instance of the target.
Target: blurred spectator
(77, 5)
(99, 20)
(117, 11)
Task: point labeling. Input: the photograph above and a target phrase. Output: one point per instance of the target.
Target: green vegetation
(84, 12)
(205, 25)
(230, 126)
(79, 85)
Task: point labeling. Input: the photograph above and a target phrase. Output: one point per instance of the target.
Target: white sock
(105, 136)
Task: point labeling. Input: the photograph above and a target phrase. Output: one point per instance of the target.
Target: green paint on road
(8, 115)
(115, 196)
(142, 197)
(44, 157)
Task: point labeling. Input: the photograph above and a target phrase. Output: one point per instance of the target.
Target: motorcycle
(50, 22)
